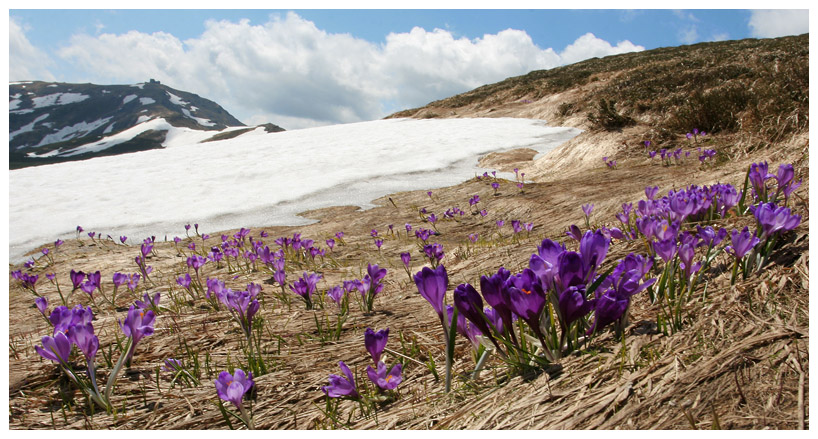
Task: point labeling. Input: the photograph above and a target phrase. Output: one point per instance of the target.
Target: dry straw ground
(741, 361)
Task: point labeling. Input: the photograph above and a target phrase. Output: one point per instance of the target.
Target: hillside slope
(738, 357)
(755, 92)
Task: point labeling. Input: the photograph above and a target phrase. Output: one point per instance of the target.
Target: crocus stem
(109, 387)
(480, 363)
(248, 421)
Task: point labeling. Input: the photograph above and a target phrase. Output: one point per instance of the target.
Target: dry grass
(741, 360)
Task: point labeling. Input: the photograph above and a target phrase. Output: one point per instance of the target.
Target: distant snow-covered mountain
(56, 122)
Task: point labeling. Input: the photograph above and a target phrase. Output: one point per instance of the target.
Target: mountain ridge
(52, 122)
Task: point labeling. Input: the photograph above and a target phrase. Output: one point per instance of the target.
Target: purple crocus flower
(305, 287)
(494, 291)
(774, 219)
(384, 380)
(243, 307)
(500, 224)
(709, 237)
(587, 209)
(665, 249)
(77, 277)
(149, 302)
(742, 243)
(434, 252)
(574, 232)
(516, 226)
(83, 336)
(119, 279)
(609, 307)
(336, 293)
(280, 276)
(573, 305)
(196, 262)
(473, 237)
(233, 387)
(172, 365)
(331, 244)
(432, 285)
(133, 281)
(686, 252)
(470, 306)
(375, 342)
(56, 349)
(572, 271)
(42, 305)
(146, 248)
(342, 387)
(138, 324)
(593, 247)
(406, 258)
(372, 280)
(759, 173)
(493, 317)
(526, 297)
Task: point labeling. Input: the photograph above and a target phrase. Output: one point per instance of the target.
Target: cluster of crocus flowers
(305, 287)
(28, 281)
(705, 154)
(372, 284)
(382, 377)
(74, 327)
(567, 279)
(759, 174)
(434, 252)
(375, 343)
(695, 134)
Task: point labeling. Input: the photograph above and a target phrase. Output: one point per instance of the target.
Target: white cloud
(779, 22)
(303, 76)
(720, 37)
(688, 35)
(26, 62)
(589, 46)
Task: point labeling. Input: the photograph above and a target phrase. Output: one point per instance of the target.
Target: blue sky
(301, 68)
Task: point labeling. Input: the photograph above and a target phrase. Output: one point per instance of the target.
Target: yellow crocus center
(526, 291)
(388, 377)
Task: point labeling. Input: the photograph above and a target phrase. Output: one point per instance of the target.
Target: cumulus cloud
(298, 75)
(688, 35)
(26, 62)
(779, 23)
(589, 46)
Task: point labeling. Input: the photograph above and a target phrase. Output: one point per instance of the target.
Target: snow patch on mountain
(28, 127)
(70, 132)
(176, 100)
(146, 101)
(58, 99)
(128, 98)
(201, 121)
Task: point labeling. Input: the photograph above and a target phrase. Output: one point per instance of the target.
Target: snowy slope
(255, 179)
